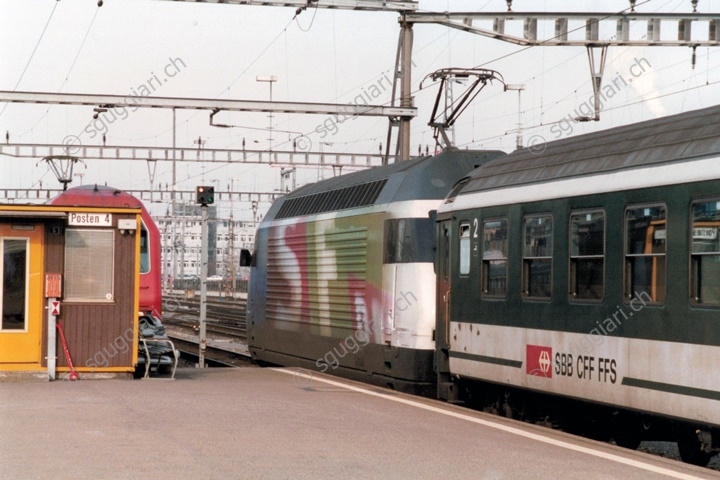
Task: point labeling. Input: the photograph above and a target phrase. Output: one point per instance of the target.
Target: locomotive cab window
(537, 256)
(645, 252)
(144, 249)
(587, 255)
(409, 240)
(494, 261)
(705, 253)
(464, 248)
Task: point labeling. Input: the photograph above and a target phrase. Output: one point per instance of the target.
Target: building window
(537, 256)
(494, 263)
(705, 253)
(645, 249)
(587, 255)
(89, 265)
(464, 248)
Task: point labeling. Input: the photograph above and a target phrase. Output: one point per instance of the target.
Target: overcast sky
(202, 50)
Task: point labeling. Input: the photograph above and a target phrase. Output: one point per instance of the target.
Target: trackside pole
(203, 286)
(52, 340)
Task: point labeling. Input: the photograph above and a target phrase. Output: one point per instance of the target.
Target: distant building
(225, 240)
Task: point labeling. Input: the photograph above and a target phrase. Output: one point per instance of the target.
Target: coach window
(464, 248)
(494, 262)
(537, 256)
(645, 249)
(89, 265)
(705, 253)
(587, 255)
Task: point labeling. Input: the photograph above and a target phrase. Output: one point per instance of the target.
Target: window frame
(68, 292)
(468, 240)
(26, 285)
(146, 255)
(694, 282)
(416, 243)
(628, 296)
(485, 263)
(525, 291)
(572, 259)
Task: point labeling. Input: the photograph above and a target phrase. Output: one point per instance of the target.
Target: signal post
(204, 196)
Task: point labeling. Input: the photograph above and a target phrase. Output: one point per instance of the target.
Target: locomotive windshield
(409, 240)
(144, 250)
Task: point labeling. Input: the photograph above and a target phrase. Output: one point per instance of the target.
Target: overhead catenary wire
(443, 36)
(643, 100)
(67, 75)
(32, 55)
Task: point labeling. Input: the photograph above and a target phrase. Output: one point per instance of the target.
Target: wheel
(628, 439)
(690, 452)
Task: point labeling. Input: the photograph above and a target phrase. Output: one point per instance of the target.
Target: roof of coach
(669, 139)
(421, 178)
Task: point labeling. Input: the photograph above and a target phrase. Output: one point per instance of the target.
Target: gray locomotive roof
(669, 139)
(417, 179)
(416, 169)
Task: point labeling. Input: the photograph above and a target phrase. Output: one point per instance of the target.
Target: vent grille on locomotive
(339, 199)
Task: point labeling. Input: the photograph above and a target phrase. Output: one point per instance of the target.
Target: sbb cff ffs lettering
(205, 195)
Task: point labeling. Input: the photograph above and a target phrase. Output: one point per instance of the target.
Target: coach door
(443, 284)
(21, 284)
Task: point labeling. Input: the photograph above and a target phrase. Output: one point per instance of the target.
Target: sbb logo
(538, 361)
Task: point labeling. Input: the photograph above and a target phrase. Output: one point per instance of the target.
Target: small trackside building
(77, 266)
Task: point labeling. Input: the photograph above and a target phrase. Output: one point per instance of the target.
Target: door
(389, 299)
(21, 294)
(442, 333)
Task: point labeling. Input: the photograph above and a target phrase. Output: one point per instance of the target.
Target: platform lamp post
(62, 167)
(204, 196)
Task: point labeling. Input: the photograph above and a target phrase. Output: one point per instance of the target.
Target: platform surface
(253, 423)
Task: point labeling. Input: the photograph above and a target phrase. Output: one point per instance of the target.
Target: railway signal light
(205, 195)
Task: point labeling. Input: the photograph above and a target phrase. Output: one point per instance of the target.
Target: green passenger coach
(590, 271)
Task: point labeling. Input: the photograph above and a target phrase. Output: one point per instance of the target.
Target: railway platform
(255, 423)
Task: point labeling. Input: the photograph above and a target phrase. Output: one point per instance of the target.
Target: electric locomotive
(342, 279)
(591, 271)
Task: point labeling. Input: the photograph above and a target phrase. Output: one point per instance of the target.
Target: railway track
(213, 356)
(225, 327)
(237, 331)
(226, 312)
